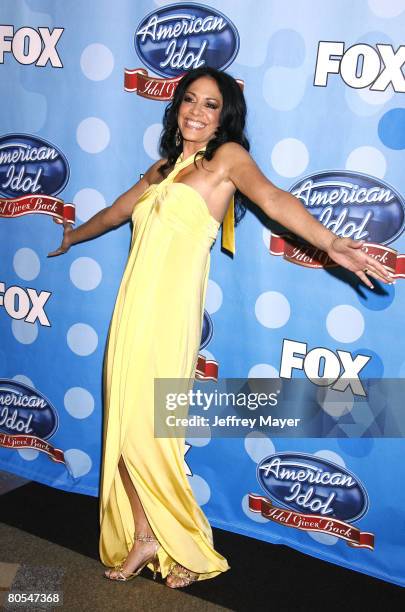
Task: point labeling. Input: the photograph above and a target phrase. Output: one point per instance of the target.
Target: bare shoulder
(231, 153)
(229, 158)
(152, 175)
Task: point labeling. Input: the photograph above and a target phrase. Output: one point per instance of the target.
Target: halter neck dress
(155, 332)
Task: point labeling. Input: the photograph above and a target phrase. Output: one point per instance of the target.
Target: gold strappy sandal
(124, 577)
(186, 576)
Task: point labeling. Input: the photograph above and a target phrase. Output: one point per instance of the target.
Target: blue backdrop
(83, 94)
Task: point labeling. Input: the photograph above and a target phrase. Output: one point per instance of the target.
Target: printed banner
(16, 207)
(311, 522)
(31, 442)
(306, 255)
(326, 123)
(138, 81)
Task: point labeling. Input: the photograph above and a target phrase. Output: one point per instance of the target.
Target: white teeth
(194, 124)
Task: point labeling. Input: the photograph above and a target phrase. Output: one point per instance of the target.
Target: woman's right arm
(108, 218)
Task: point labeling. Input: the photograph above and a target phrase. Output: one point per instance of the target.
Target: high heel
(121, 577)
(186, 576)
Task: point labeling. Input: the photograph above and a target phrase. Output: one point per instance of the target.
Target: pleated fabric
(155, 332)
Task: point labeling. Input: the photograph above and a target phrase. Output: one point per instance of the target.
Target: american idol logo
(312, 485)
(24, 410)
(353, 205)
(178, 37)
(207, 329)
(31, 165)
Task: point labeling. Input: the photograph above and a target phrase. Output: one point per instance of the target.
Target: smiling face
(199, 111)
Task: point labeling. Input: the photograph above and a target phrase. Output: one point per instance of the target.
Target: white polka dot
(26, 333)
(258, 383)
(203, 441)
(79, 402)
(26, 264)
(387, 8)
(330, 456)
(258, 446)
(29, 454)
(203, 431)
(367, 159)
(78, 462)
(289, 157)
(254, 516)
(93, 135)
(345, 323)
(283, 88)
(375, 98)
(335, 403)
(85, 273)
(88, 202)
(201, 489)
(358, 104)
(266, 235)
(213, 300)
(97, 62)
(24, 379)
(151, 139)
(82, 339)
(262, 370)
(323, 538)
(272, 309)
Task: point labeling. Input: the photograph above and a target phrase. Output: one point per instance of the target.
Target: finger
(365, 280)
(378, 268)
(57, 252)
(375, 274)
(370, 263)
(385, 274)
(356, 244)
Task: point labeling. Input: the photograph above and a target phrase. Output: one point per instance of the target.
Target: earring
(178, 138)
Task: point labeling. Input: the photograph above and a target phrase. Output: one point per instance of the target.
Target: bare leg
(140, 550)
(141, 522)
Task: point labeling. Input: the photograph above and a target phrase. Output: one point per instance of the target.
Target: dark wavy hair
(231, 123)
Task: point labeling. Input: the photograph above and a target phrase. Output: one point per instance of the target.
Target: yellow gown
(155, 332)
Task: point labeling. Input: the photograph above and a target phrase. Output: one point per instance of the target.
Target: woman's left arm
(289, 212)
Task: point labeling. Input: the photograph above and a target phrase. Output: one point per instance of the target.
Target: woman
(148, 513)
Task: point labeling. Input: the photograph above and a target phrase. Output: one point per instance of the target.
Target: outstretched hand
(66, 242)
(349, 254)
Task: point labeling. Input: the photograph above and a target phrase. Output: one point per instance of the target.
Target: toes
(175, 582)
(179, 576)
(112, 574)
